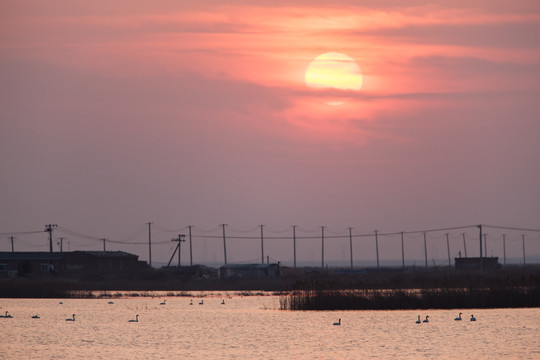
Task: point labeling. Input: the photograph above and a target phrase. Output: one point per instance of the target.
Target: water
(252, 327)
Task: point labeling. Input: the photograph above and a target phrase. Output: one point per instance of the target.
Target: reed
(378, 299)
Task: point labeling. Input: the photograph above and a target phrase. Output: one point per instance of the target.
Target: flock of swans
(72, 318)
(426, 320)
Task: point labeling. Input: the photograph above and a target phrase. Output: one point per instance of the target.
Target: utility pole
(49, 229)
(61, 243)
(485, 244)
(504, 248)
(350, 246)
(402, 252)
(377, 248)
(425, 248)
(180, 239)
(322, 248)
(481, 260)
(448, 248)
(149, 243)
(224, 244)
(190, 247)
(262, 245)
(104, 248)
(12, 246)
(523, 244)
(464, 244)
(294, 245)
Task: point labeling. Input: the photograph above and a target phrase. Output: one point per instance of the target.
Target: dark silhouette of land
(315, 288)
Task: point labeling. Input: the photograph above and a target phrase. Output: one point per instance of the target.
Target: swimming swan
(6, 316)
(202, 302)
(223, 302)
(418, 321)
(426, 319)
(134, 320)
(191, 302)
(163, 303)
(473, 318)
(71, 319)
(337, 323)
(35, 317)
(458, 318)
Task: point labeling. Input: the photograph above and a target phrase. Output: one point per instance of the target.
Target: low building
(101, 262)
(15, 264)
(475, 263)
(249, 271)
(32, 263)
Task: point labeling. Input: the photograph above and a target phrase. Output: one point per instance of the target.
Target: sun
(335, 71)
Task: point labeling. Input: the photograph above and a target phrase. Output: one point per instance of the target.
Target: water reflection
(253, 327)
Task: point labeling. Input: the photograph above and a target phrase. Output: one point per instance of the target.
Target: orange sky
(192, 112)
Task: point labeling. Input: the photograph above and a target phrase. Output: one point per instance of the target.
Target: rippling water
(253, 328)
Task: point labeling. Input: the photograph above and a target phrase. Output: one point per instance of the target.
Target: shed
(249, 271)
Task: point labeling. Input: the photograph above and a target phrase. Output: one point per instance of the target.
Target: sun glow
(335, 71)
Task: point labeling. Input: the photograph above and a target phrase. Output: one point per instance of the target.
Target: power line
(20, 233)
(510, 228)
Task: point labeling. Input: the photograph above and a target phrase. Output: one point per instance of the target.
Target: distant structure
(76, 263)
(473, 263)
(249, 271)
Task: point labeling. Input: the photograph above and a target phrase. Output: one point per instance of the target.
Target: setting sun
(334, 70)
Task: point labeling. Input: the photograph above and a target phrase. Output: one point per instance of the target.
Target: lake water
(253, 327)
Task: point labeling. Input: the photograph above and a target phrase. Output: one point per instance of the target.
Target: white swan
(458, 318)
(35, 317)
(337, 323)
(426, 319)
(134, 320)
(163, 303)
(473, 318)
(418, 321)
(202, 302)
(71, 319)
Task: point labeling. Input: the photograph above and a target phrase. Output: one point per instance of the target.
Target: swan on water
(35, 317)
(134, 320)
(337, 323)
(163, 303)
(110, 302)
(473, 318)
(426, 319)
(418, 321)
(6, 316)
(202, 302)
(458, 318)
(222, 301)
(191, 302)
(71, 319)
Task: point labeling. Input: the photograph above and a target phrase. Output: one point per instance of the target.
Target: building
(76, 263)
(249, 271)
(14, 264)
(473, 263)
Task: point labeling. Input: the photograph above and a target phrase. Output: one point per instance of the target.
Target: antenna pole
(224, 244)
(150, 243)
(49, 229)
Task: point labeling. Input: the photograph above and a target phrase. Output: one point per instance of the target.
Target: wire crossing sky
(378, 115)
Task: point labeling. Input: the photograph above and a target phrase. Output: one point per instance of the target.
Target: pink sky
(114, 114)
